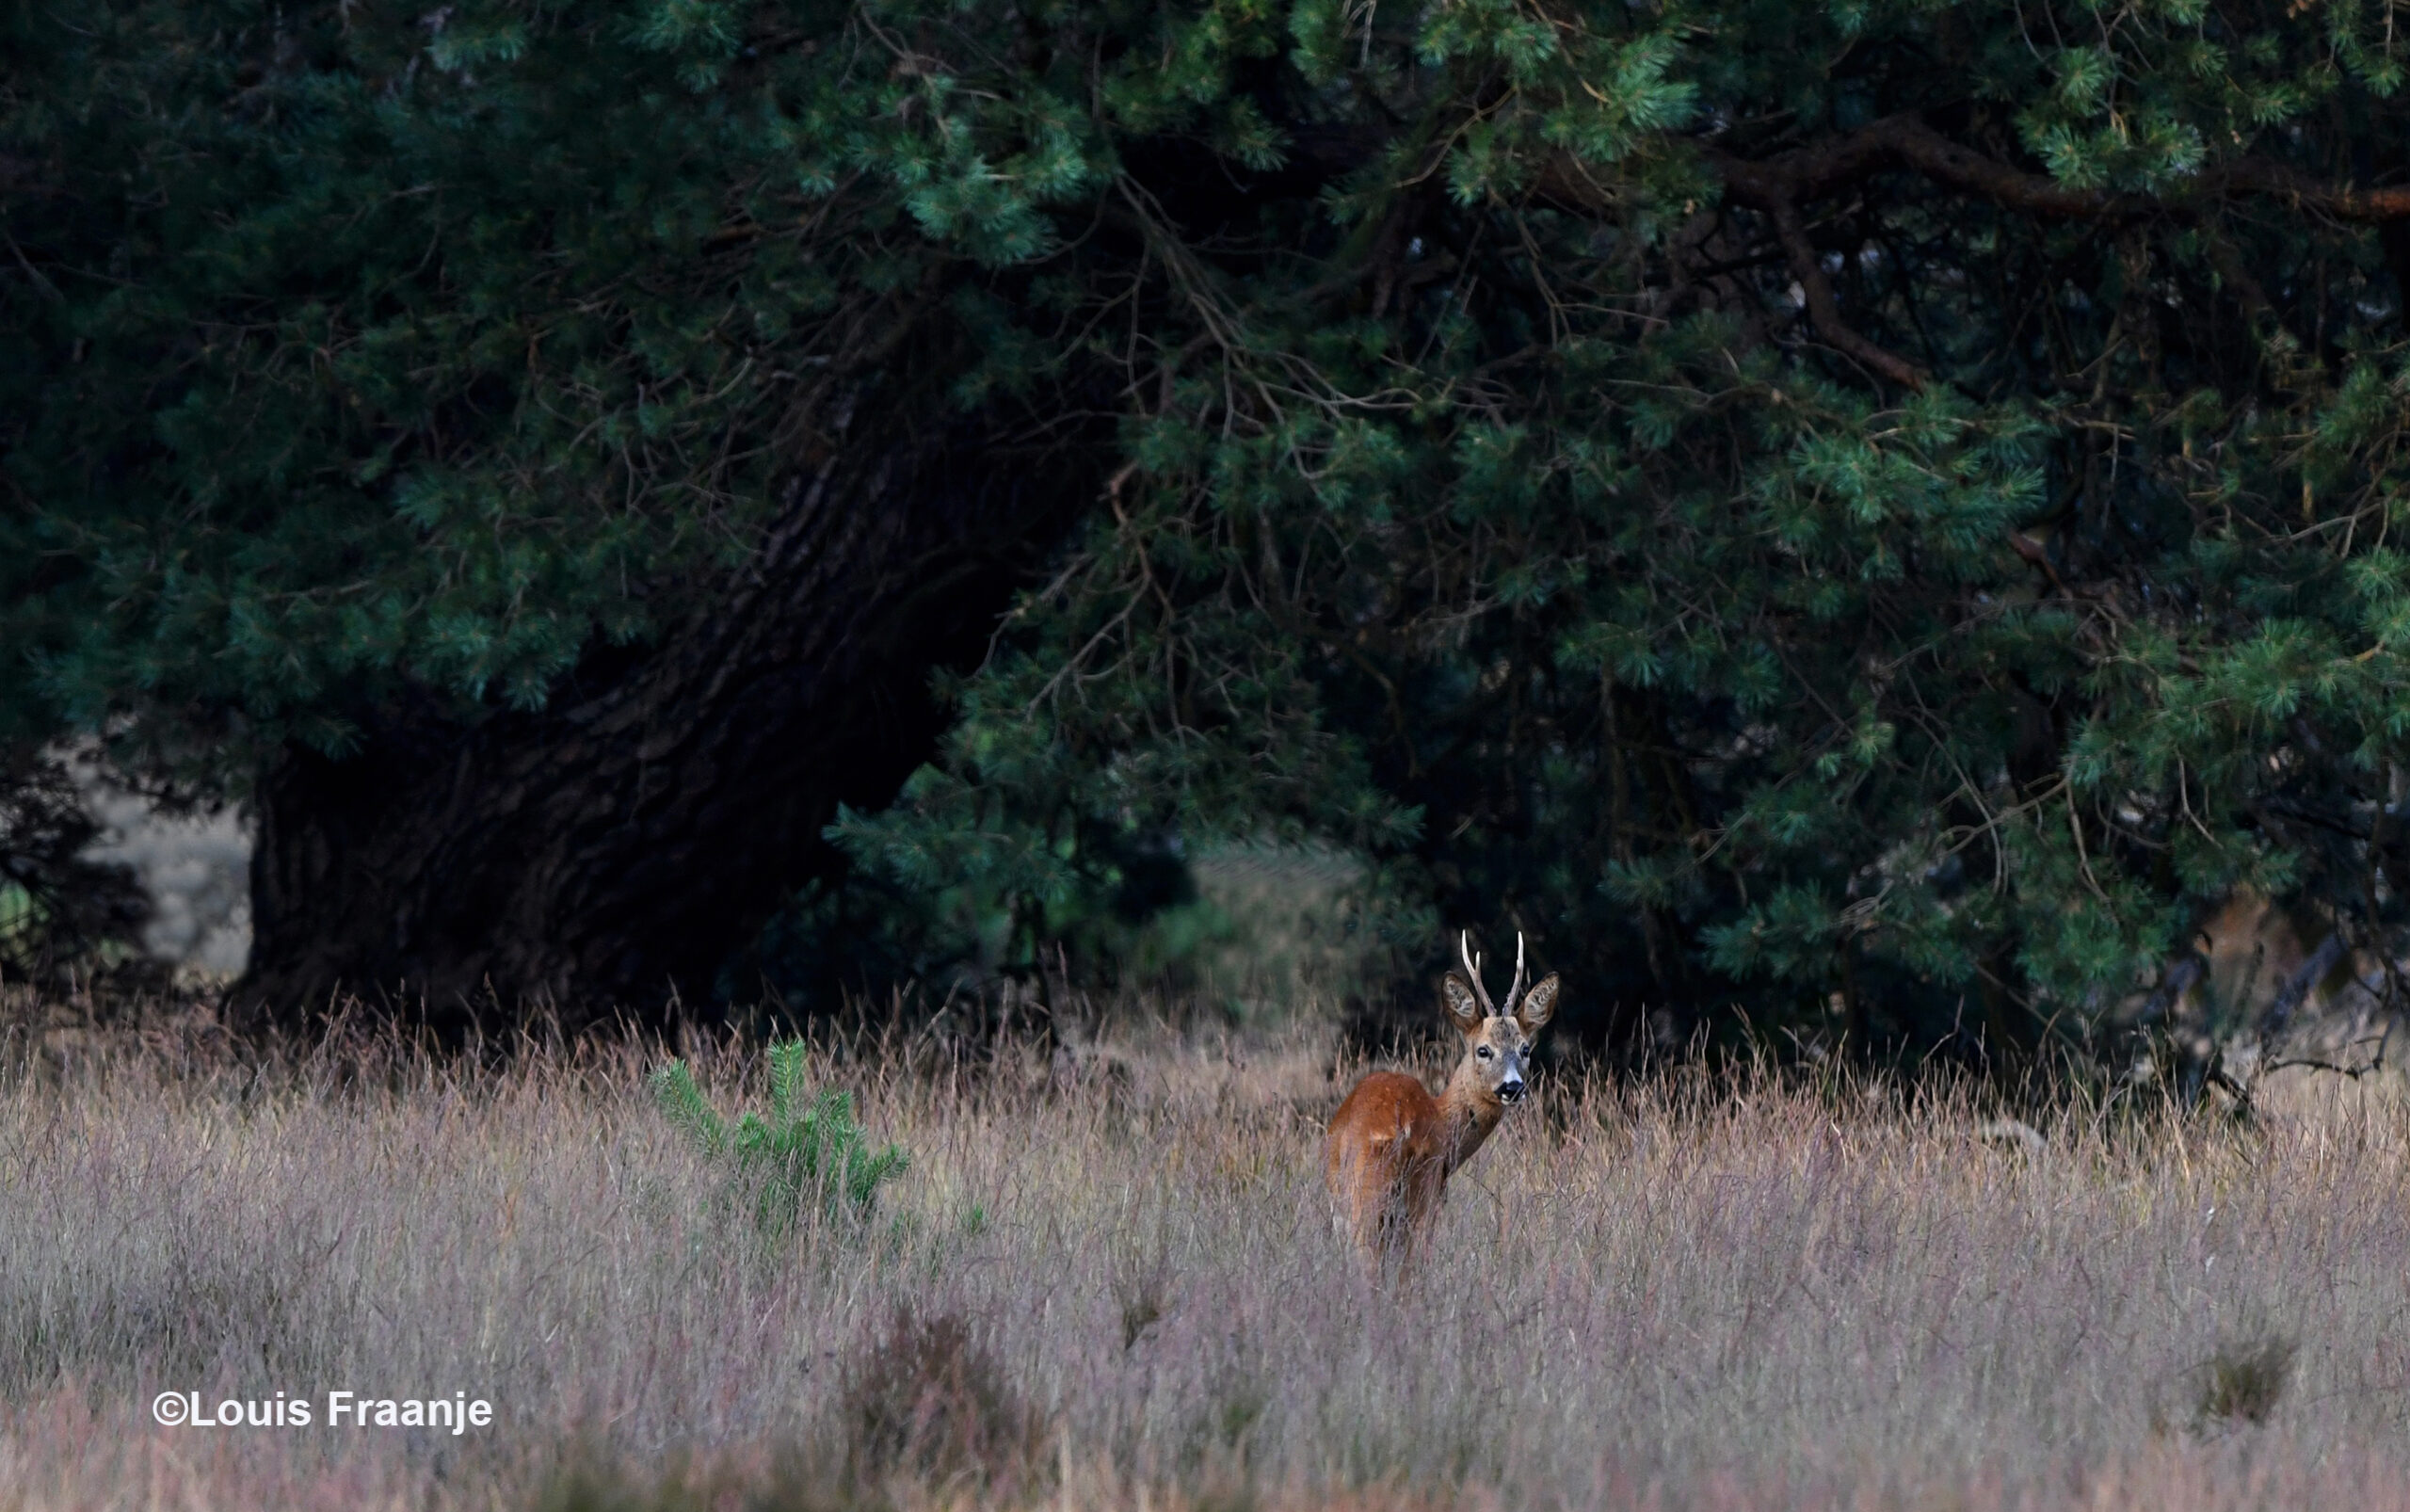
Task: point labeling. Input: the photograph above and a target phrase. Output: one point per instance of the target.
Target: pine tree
(1788, 504)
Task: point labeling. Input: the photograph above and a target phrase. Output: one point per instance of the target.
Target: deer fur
(1391, 1146)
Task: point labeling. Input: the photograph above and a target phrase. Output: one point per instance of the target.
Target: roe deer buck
(1391, 1146)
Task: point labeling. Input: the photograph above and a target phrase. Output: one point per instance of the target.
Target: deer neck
(1467, 1114)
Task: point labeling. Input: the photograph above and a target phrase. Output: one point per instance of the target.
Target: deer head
(1498, 1041)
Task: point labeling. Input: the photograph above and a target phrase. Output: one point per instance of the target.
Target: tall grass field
(1109, 1278)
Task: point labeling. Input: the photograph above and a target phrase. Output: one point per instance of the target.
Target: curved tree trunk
(613, 849)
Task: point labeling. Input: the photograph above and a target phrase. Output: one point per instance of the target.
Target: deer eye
(1484, 1052)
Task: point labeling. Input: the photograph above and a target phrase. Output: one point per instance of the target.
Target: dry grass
(1111, 1281)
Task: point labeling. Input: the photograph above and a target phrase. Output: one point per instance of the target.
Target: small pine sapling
(809, 1149)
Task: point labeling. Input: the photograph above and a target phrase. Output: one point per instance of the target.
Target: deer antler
(1517, 990)
(1473, 969)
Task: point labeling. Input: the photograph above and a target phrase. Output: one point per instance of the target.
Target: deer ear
(1463, 1009)
(1537, 1005)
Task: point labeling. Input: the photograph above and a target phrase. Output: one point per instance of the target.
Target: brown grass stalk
(1123, 1289)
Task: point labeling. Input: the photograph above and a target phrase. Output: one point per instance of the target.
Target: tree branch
(1906, 141)
(2297, 988)
(1824, 310)
(1778, 186)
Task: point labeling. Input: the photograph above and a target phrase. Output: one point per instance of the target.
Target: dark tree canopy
(1805, 505)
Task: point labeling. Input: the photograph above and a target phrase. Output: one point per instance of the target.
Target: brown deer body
(1391, 1146)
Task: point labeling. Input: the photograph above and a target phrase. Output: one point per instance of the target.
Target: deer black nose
(1511, 1091)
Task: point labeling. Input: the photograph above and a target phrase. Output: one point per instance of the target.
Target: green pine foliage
(407, 352)
(809, 1154)
(21, 920)
(1568, 453)
(1458, 530)
(64, 914)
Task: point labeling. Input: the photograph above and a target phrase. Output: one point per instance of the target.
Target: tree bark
(607, 854)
